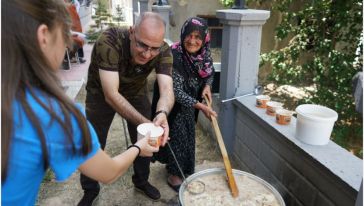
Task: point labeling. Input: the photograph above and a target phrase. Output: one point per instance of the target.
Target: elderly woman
(192, 78)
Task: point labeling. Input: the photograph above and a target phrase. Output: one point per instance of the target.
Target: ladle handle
(226, 100)
(229, 172)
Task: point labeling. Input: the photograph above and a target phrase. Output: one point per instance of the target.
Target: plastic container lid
(317, 112)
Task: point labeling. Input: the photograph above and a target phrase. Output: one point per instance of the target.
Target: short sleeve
(107, 54)
(166, 61)
(62, 161)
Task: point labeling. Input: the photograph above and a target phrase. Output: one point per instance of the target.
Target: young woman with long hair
(40, 126)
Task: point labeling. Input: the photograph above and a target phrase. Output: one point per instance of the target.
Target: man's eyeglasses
(143, 47)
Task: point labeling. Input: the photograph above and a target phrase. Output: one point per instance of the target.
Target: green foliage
(227, 3)
(119, 17)
(102, 19)
(93, 34)
(101, 15)
(324, 40)
(230, 3)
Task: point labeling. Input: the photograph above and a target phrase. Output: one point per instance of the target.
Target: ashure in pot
(252, 190)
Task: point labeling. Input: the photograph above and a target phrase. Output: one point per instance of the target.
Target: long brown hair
(24, 67)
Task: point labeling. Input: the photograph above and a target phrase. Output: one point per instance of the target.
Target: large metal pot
(222, 172)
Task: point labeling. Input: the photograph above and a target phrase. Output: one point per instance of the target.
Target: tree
(101, 16)
(119, 17)
(101, 19)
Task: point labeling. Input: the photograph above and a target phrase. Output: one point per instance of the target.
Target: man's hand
(161, 120)
(165, 103)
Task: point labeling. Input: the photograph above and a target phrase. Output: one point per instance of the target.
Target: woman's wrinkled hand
(206, 92)
(208, 112)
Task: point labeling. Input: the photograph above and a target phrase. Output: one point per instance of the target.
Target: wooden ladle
(229, 172)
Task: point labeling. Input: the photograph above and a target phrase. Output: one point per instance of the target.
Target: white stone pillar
(135, 10)
(143, 5)
(164, 12)
(140, 7)
(241, 40)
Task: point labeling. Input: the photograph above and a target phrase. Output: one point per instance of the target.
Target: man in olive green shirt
(121, 60)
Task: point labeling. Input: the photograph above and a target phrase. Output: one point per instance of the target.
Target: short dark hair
(149, 15)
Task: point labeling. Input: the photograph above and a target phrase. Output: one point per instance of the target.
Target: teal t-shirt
(25, 165)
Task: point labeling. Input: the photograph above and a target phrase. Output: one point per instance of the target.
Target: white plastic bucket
(314, 124)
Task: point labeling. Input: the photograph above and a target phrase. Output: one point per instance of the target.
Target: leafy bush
(93, 35)
(227, 3)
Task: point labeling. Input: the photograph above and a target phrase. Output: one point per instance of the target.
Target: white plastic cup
(261, 101)
(314, 124)
(272, 107)
(155, 133)
(283, 116)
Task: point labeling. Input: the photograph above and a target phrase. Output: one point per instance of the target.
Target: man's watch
(161, 111)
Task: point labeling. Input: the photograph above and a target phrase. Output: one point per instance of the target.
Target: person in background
(41, 127)
(76, 30)
(121, 61)
(193, 73)
(77, 5)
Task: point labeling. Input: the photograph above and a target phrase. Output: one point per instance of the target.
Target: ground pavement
(73, 79)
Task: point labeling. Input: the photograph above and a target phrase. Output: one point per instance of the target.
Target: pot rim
(223, 171)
